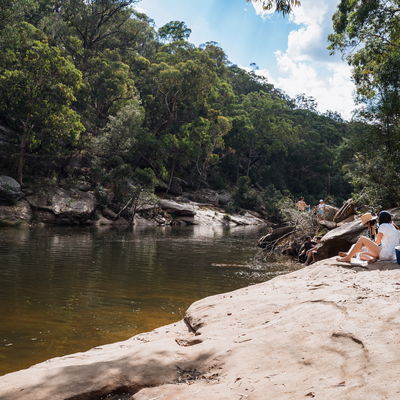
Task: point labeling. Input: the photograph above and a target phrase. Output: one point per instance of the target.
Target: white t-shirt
(390, 239)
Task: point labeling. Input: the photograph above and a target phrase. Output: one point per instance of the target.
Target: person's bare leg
(372, 247)
(368, 257)
(344, 253)
(309, 258)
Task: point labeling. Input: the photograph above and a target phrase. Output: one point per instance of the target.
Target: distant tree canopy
(94, 80)
(174, 30)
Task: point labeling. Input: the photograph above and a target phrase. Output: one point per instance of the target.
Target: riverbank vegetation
(91, 91)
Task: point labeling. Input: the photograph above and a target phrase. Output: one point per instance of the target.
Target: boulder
(209, 215)
(110, 214)
(330, 212)
(395, 212)
(174, 208)
(328, 224)
(348, 219)
(19, 213)
(10, 190)
(323, 332)
(340, 239)
(69, 206)
(345, 211)
(84, 187)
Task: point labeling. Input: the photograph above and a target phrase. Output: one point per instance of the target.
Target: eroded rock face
(174, 208)
(58, 205)
(323, 332)
(340, 238)
(10, 191)
(345, 211)
(329, 212)
(191, 213)
(14, 215)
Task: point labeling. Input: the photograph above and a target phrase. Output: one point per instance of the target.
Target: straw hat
(367, 217)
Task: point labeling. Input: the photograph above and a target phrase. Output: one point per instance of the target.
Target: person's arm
(379, 237)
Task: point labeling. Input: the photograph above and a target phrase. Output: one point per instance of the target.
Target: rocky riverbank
(323, 332)
(81, 205)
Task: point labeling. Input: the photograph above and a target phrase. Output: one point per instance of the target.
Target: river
(64, 290)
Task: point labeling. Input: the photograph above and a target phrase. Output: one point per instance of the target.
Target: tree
(94, 21)
(282, 6)
(37, 88)
(305, 102)
(174, 31)
(368, 34)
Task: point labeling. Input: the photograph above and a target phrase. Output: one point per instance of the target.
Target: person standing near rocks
(321, 209)
(302, 205)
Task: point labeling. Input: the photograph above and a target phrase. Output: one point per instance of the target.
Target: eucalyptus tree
(368, 34)
(282, 6)
(37, 90)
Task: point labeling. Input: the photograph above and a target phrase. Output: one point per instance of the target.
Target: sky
(289, 51)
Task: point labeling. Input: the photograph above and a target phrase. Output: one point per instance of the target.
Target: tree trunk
(171, 175)
(21, 158)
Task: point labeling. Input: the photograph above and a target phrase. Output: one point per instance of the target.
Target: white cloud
(306, 66)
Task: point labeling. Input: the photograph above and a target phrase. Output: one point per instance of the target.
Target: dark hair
(307, 238)
(384, 218)
(318, 237)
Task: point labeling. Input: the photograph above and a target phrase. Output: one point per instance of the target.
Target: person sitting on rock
(307, 245)
(370, 221)
(313, 251)
(383, 248)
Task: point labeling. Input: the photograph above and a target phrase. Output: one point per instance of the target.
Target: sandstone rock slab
(68, 206)
(340, 238)
(323, 332)
(345, 211)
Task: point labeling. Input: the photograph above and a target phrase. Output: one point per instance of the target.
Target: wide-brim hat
(368, 217)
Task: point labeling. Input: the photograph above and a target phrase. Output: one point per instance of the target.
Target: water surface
(64, 290)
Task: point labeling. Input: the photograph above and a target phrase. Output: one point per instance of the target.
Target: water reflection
(65, 289)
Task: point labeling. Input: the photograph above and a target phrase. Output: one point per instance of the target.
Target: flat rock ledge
(323, 332)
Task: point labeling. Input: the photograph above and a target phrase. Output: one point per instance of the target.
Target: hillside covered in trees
(91, 91)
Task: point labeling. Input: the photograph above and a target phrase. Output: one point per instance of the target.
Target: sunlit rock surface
(323, 332)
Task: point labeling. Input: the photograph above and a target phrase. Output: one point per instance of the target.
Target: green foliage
(283, 6)
(368, 33)
(174, 31)
(37, 86)
(278, 205)
(156, 109)
(245, 195)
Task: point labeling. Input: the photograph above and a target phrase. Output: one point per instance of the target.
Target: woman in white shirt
(383, 248)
